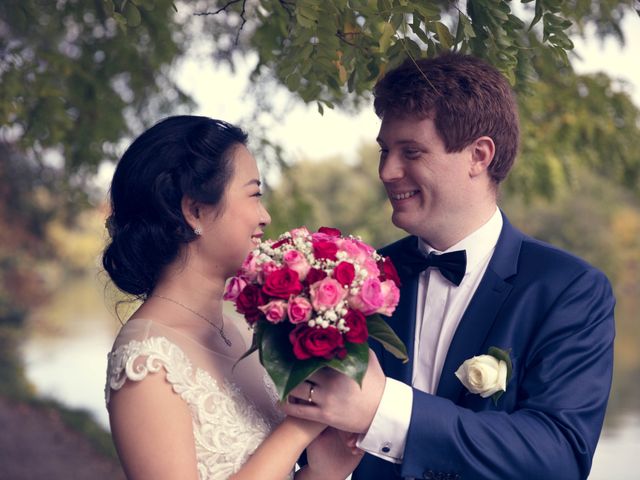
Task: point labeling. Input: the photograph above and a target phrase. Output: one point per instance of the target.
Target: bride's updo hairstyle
(181, 155)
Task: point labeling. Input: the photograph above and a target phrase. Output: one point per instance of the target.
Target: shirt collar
(478, 244)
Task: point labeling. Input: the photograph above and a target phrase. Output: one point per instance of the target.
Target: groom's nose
(390, 168)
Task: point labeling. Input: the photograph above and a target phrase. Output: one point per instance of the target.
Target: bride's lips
(257, 237)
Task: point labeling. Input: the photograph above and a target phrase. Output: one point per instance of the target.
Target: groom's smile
(401, 196)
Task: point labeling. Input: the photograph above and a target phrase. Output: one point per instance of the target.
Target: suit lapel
(403, 320)
(482, 311)
(403, 323)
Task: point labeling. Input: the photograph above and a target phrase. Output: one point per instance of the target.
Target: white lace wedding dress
(232, 410)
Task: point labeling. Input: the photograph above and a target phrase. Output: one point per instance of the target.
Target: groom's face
(427, 186)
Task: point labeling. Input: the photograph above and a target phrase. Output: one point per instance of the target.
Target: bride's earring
(197, 230)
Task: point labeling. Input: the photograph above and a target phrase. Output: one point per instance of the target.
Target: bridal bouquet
(312, 300)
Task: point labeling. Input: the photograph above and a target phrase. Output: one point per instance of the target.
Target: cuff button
(386, 447)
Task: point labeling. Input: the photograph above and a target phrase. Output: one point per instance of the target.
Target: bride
(186, 210)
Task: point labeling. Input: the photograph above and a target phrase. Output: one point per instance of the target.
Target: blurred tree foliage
(336, 194)
(73, 83)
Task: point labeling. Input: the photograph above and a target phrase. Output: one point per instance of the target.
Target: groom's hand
(337, 400)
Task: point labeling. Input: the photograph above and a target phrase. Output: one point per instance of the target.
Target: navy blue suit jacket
(555, 313)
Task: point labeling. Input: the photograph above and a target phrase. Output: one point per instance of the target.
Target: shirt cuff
(387, 435)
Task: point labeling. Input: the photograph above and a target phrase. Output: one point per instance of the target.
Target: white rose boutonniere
(487, 375)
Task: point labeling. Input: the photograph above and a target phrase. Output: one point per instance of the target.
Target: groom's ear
(482, 152)
(190, 211)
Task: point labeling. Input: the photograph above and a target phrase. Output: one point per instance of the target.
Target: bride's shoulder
(140, 350)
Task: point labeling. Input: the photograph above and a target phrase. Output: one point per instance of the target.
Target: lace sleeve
(136, 359)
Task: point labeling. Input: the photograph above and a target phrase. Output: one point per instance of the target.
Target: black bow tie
(452, 265)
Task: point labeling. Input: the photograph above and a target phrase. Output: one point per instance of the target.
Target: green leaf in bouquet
(379, 330)
(277, 358)
(287, 372)
(355, 364)
(255, 344)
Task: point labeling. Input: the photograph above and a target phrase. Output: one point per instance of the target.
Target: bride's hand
(333, 454)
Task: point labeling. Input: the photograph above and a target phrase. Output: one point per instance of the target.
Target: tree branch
(224, 9)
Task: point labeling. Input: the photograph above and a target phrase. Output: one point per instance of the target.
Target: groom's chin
(399, 220)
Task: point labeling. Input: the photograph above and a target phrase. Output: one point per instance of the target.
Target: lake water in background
(67, 360)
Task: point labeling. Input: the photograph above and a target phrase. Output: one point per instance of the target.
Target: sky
(304, 133)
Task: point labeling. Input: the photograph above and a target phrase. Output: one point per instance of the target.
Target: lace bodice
(227, 425)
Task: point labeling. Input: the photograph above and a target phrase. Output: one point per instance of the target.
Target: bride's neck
(201, 291)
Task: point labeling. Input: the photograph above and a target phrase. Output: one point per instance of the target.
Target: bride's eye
(257, 194)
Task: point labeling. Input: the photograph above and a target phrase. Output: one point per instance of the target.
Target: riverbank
(40, 440)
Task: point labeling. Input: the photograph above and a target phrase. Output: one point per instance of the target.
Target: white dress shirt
(440, 307)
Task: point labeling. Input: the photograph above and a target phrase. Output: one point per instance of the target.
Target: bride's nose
(265, 218)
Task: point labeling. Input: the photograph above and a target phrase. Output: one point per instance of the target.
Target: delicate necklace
(220, 329)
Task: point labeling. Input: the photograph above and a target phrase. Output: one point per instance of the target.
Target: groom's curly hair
(466, 97)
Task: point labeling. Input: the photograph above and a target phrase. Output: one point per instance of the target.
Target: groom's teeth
(402, 196)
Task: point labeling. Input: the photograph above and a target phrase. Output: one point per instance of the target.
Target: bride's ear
(191, 210)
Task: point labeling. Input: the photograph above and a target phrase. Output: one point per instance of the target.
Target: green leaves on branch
(332, 51)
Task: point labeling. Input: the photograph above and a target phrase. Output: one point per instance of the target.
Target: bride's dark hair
(181, 155)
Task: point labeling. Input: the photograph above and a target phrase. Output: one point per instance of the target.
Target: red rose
(315, 275)
(282, 283)
(332, 232)
(325, 249)
(309, 342)
(248, 302)
(357, 323)
(284, 241)
(388, 271)
(344, 273)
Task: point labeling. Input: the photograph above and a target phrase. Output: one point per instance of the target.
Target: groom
(449, 136)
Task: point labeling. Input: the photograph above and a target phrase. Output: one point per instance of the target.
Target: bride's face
(234, 227)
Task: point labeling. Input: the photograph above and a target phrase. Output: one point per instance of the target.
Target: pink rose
(234, 287)
(370, 265)
(275, 310)
(299, 310)
(297, 261)
(370, 298)
(250, 268)
(299, 232)
(390, 295)
(326, 293)
(354, 250)
(266, 269)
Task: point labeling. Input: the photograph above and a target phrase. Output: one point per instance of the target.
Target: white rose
(483, 374)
